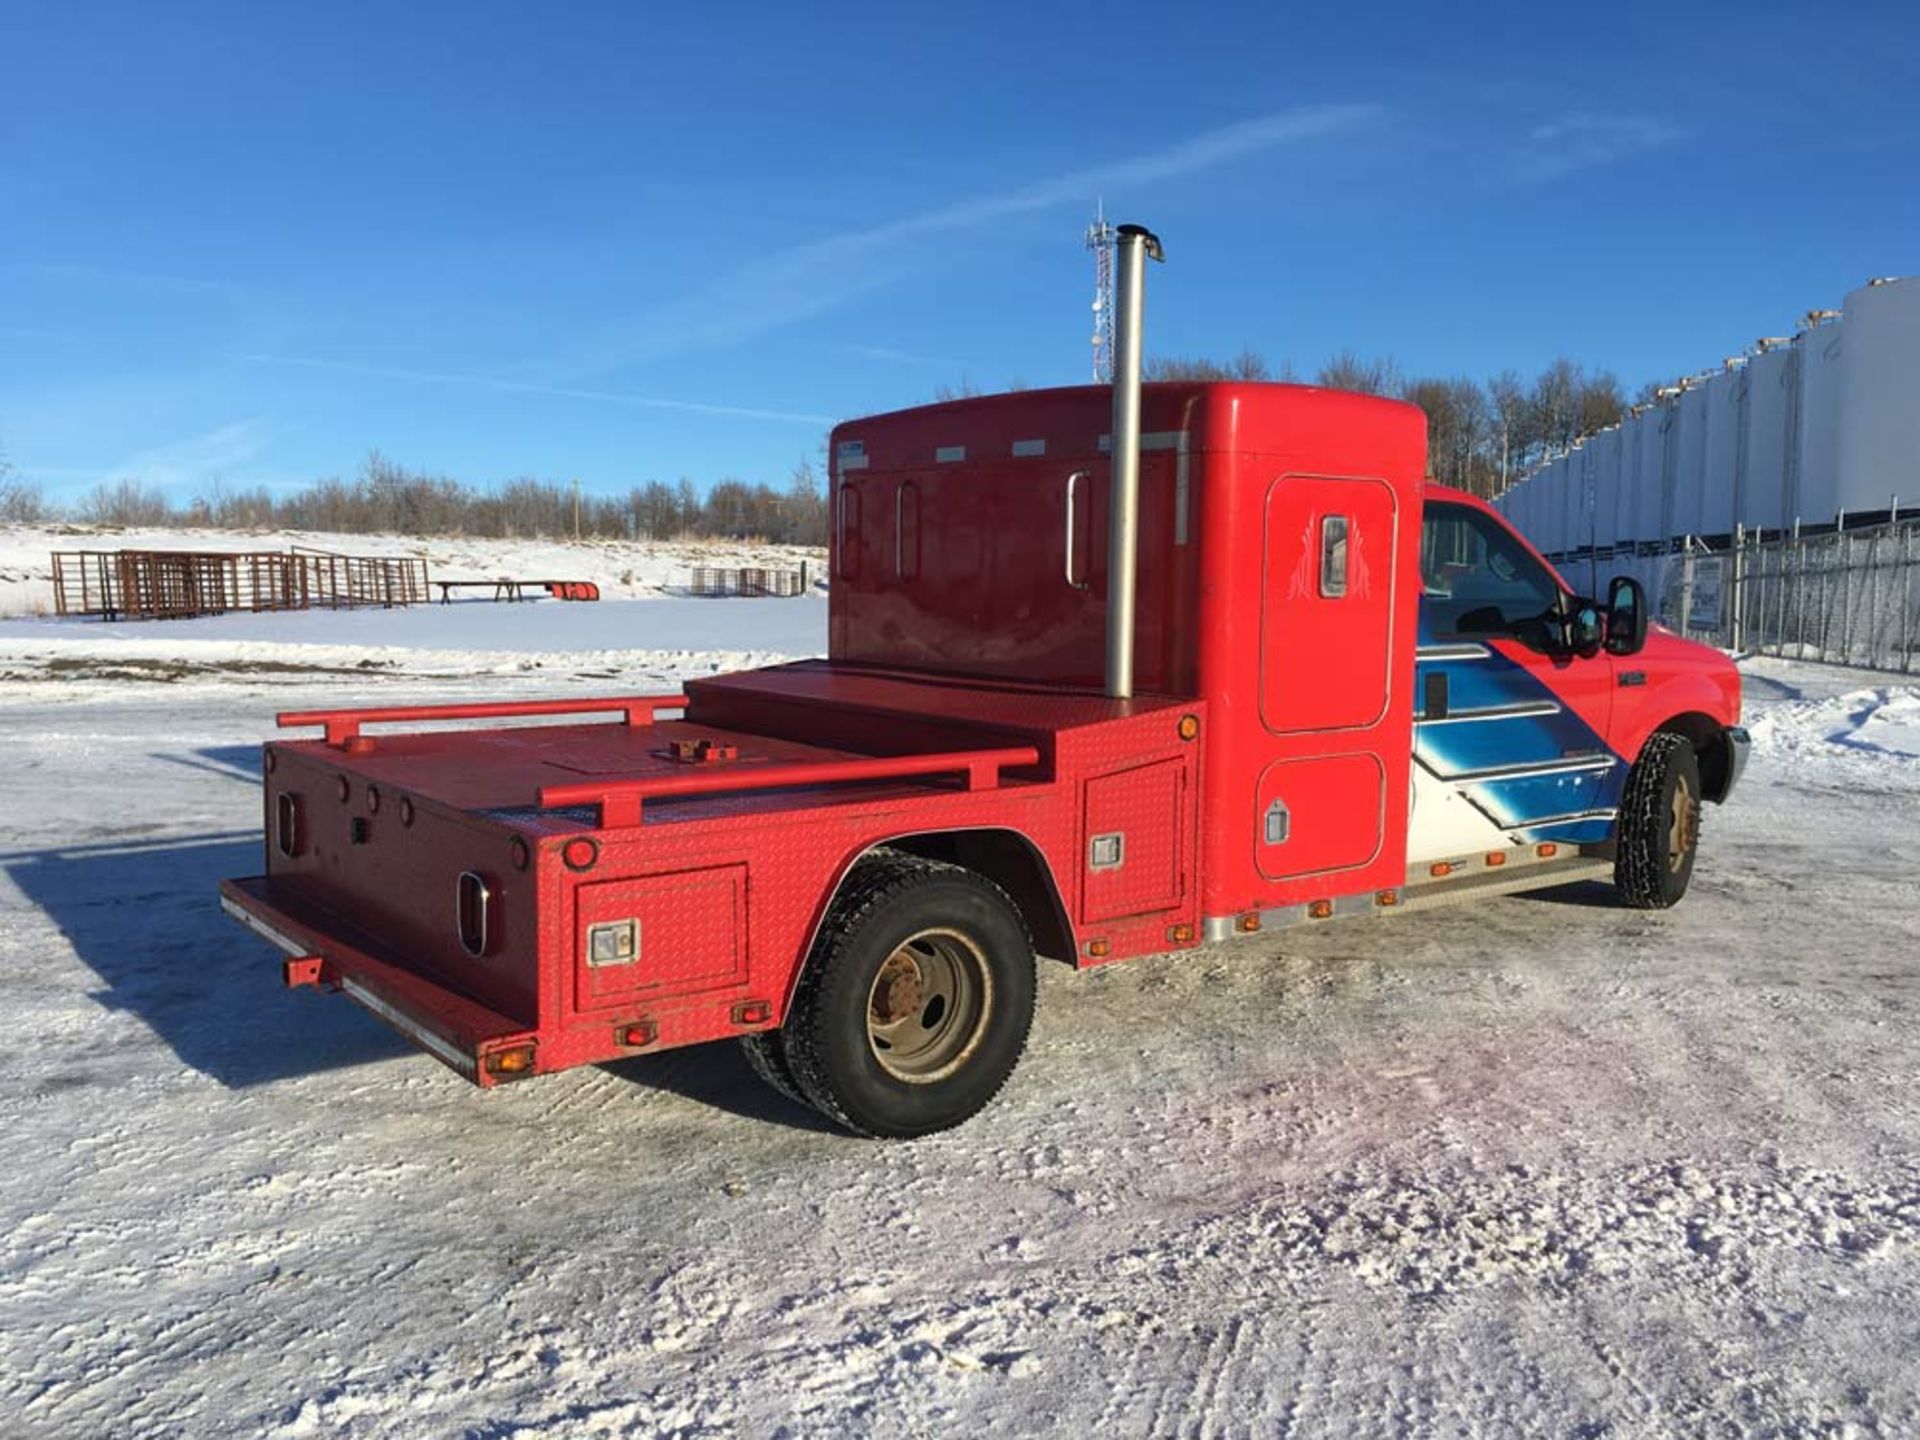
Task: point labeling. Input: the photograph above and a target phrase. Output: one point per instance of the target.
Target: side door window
(1477, 581)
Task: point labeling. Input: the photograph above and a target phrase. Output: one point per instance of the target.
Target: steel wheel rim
(1682, 826)
(928, 1005)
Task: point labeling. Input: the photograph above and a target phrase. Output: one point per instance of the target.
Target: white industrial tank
(1877, 454)
(1650, 502)
(1725, 399)
(1670, 468)
(1553, 519)
(1690, 464)
(1762, 500)
(1542, 534)
(1813, 493)
(1605, 448)
(1579, 491)
(1627, 442)
(1571, 524)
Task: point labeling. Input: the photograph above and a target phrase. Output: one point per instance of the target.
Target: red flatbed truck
(1327, 689)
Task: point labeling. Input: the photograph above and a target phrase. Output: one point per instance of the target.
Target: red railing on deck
(620, 801)
(343, 726)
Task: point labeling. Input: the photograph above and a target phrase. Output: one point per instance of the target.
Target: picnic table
(507, 589)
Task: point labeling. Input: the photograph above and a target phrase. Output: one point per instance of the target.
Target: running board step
(1484, 884)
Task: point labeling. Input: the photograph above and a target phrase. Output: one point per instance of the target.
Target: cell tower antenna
(1100, 241)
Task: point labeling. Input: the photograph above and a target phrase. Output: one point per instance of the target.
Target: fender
(1052, 931)
(1679, 686)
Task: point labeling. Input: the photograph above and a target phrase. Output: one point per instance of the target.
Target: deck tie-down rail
(343, 726)
(619, 802)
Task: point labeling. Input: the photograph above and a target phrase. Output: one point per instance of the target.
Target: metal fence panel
(1847, 597)
(714, 581)
(175, 584)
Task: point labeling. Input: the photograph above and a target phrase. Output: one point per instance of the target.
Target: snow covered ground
(1546, 1166)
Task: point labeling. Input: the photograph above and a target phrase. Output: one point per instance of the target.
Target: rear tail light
(286, 824)
(472, 903)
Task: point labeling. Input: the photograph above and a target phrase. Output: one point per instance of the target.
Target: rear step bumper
(481, 1044)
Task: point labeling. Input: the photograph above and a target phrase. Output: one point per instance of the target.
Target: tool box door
(1131, 844)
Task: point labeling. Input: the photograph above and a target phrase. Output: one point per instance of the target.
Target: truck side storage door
(1330, 570)
(1509, 726)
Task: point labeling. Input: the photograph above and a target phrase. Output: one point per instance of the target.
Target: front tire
(1659, 827)
(916, 1001)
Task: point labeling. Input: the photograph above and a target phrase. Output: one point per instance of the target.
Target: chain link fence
(1848, 597)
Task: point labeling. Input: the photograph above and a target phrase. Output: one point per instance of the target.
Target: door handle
(1073, 488)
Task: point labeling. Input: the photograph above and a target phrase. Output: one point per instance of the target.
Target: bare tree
(1247, 365)
(1347, 371)
(1458, 426)
(1555, 404)
(1599, 402)
(125, 502)
(806, 509)
(1507, 406)
(21, 502)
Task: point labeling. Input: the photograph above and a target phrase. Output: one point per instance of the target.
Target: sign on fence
(1703, 600)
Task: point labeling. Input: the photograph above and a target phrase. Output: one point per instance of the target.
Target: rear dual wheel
(914, 1005)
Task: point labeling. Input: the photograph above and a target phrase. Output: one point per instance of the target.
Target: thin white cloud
(195, 459)
(1583, 140)
(802, 281)
(522, 387)
(890, 356)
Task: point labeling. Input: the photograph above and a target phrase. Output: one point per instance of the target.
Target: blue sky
(247, 244)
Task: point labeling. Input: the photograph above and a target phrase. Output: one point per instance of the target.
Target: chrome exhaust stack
(1132, 246)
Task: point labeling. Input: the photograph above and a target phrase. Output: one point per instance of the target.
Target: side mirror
(1626, 616)
(1583, 629)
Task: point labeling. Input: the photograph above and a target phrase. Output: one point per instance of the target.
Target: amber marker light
(1189, 727)
(1179, 934)
(1321, 910)
(1547, 851)
(1387, 897)
(1099, 949)
(1440, 871)
(514, 1060)
(1247, 924)
(1496, 857)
